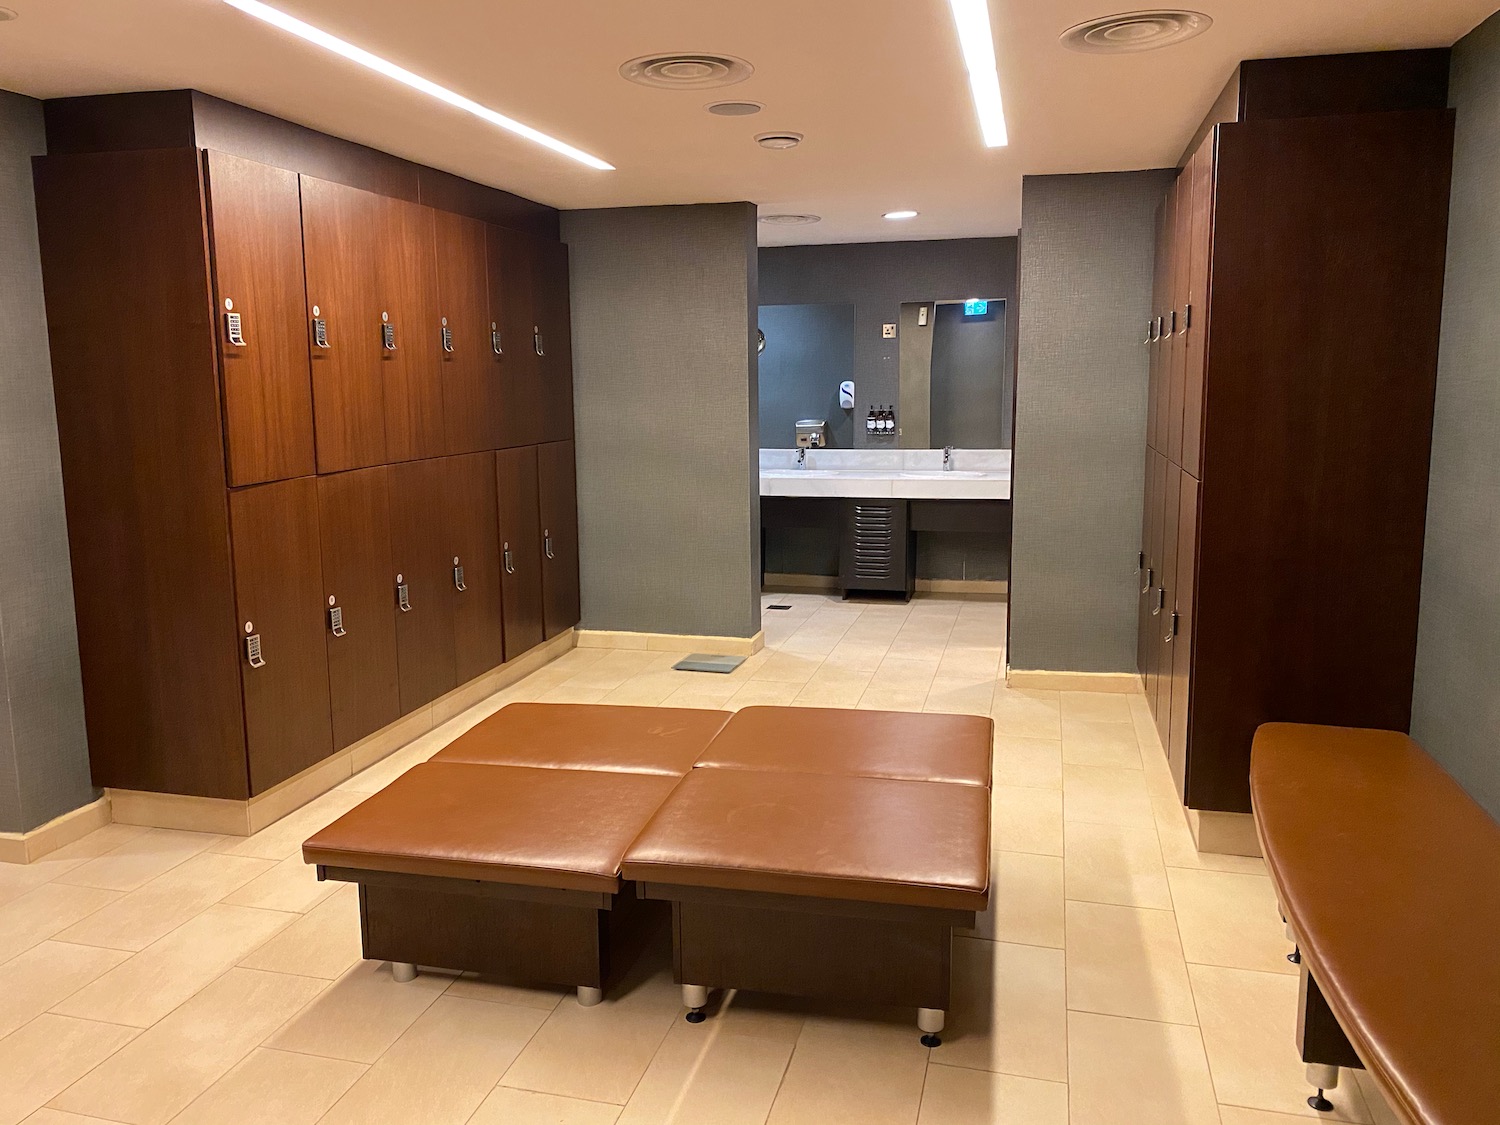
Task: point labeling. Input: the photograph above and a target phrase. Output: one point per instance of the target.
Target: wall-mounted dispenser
(846, 394)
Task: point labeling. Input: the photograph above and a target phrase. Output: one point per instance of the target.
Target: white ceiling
(877, 86)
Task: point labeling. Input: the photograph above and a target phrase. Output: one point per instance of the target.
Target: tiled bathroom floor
(149, 976)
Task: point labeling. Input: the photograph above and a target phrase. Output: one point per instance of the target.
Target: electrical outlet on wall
(887, 331)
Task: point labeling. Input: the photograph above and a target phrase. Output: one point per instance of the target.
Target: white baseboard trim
(1224, 833)
(672, 642)
(1120, 683)
(245, 818)
(28, 847)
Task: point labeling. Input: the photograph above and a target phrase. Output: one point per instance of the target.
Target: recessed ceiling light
(1136, 31)
(778, 140)
(972, 18)
(321, 38)
(694, 71)
(734, 109)
(901, 214)
(790, 220)
(8, 14)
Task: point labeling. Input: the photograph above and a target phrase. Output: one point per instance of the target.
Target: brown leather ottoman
(508, 871)
(895, 744)
(817, 885)
(589, 736)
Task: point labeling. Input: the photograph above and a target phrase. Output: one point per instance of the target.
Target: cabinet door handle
(252, 651)
(1161, 600)
(1172, 630)
(537, 341)
(1149, 337)
(510, 567)
(1150, 580)
(495, 342)
(1172, 324)
(403, 595)
(1187, 320)
(547, 544)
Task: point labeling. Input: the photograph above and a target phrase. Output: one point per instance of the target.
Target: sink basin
(951, 474)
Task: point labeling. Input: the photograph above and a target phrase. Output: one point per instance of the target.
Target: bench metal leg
(1324, 1077)
(1321, 1041)
(695, 999)
(930, 1022)
(588, 997)
(403, 971)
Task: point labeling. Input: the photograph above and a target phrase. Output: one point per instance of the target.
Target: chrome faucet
(802, 458)
(947, 458)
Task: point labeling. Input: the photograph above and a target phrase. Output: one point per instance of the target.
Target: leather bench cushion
(589, 736)
(897, 744)
(566, 829)
(866, 839)
(1390, 875)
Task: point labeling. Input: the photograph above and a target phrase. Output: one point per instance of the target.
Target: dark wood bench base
(820, 949)
(1321, 1041)
(511, 934)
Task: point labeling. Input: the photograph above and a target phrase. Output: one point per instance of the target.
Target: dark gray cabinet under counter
(876, 552)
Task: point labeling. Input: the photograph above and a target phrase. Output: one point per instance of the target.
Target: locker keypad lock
(234, 329)
(458, 575)
(336, 620)
(447, 336)
(510, 566)
(252, 651)
(320, 331)
(547, 544)
(495, 342)
(403, 595)
(388, 336)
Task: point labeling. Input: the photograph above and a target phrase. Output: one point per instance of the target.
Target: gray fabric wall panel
(1456, 701)
(44, 765)
(1088, 246)
(878, 277)
(666, 404)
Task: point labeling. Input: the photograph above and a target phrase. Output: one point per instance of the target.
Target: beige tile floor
(1119, 978)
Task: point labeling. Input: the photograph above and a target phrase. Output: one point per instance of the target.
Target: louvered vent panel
(874, 541)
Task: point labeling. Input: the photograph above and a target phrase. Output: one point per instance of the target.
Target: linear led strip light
(364, 58)
(972, 18)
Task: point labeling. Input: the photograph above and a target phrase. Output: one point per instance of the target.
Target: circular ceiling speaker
(686, 72)
(734, 109)
(778, 140)
(1135, 31)
(790, 220)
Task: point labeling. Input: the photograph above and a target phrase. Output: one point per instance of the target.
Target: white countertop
(916, 474)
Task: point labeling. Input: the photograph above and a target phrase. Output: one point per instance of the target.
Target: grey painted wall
(664, 379)
(1088, 246)
(44, 765)
(878, 277)
(809, 352)
(1456, 701)
(968, 367)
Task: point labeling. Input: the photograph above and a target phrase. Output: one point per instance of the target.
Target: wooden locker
(278, 584)
(520, 548)
(1162, 606)
(557, 492)
(1181, 627)
(1164, 347)
(512, 310)
(1180, 249)
(355, 527)
(554, 341)
(343, 314)
(473, 540)
(1156, 489)
(422, 560)
(467, 363)
(407, 273)
(1148, 566)
(1201, 169)
(1153, 334)
(255, 225)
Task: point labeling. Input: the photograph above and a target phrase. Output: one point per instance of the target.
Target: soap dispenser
(870, 421)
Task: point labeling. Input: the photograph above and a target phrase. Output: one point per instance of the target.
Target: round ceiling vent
(1136, 31)
(686, 72)
(734, 109)
(790, 220)
(778, 140)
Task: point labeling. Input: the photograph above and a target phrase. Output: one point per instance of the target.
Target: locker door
(557, 489)
(1164, 348)
(278, 584)
(423, 564)
(554, 341)
(355, 524)
(1180, 628)
(513, 312)
(521, 548)
(407, 273)
(1181, 254)
(1162, 607)
(1153, 334)
(1195, 362)
(343, 314)
(468, 366)
(1149, 565)
(478, 628)
(255, 224)
(1156, 489)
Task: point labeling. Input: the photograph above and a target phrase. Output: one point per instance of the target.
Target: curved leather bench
(893, 744)
(1389, 876)
(594, 736)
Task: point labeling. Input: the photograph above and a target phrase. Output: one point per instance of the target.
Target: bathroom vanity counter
(916, 474)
